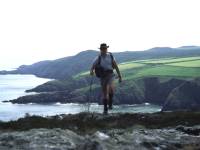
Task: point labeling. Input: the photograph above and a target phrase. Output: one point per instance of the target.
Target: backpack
(99, 70)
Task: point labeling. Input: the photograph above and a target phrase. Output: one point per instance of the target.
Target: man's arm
(93, 66)
(117, 69)
(92, 70)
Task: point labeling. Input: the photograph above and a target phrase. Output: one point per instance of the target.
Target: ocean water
(13, 86)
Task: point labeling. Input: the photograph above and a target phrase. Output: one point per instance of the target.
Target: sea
(14, 86)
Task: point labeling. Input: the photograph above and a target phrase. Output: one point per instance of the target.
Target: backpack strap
(111, 55)
(112, 58)
(99, 60)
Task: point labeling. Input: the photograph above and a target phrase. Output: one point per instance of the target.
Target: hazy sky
(34, 30)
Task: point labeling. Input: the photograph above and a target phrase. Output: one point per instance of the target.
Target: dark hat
(103, 45)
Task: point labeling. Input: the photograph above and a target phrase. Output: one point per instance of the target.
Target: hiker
(103, 66)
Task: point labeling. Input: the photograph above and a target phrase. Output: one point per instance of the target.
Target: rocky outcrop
(137, 138)
(87, 131)
(69, 84)
(91, 122)
(189, 130)
(184, 97)
(157, 92)
(52, 97)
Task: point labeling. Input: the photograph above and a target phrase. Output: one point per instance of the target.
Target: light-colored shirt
(106, 61)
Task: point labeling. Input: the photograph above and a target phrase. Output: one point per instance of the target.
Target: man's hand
(118, 72)
(92, 72)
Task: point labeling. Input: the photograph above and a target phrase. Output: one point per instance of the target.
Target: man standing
(107, 76)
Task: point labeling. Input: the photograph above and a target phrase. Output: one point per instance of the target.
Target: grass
(85, 123)
(188, 67)
(169, 71)
(170, 67)
(193, 63)
(171, 60)
(81, 75)
(130, 65)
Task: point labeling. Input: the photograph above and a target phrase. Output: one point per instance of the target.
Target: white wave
(58, 103)
(31, 103)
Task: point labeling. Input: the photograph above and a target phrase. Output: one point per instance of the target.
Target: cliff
(184, 97)
(150, 90)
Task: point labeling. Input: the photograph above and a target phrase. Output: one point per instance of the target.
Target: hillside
(69, 66)
(150, 80)
(148, 76)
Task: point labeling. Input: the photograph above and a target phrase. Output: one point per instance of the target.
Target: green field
(188, 67)
(194, 63)
(130, 65)
(171, 60)
(123, 67)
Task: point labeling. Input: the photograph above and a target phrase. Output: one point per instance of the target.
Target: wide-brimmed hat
(104, 45)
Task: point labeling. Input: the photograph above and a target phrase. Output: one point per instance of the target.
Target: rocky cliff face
(157, 92)
(130, 92)
(184, 97)
(173, 94)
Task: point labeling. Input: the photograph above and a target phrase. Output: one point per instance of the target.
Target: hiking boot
(105, 112)
(105, 106)
(110, 103)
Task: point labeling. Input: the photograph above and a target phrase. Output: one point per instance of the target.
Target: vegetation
(194, 63)
(142, 76)
(133, 72)
(171, 60)
(188, 67)
(92, 122)
(179, 67)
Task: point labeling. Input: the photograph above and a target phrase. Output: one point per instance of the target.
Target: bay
(13, 86)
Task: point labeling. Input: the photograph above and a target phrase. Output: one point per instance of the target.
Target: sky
(35, 30)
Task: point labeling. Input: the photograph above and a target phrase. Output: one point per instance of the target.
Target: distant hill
(68, 66)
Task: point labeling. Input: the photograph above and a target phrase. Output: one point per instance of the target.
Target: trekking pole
(90, 93)
(120, 90)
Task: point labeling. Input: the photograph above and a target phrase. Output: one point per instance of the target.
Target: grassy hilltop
(187, 67)
(67, 67)
(164, 69)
